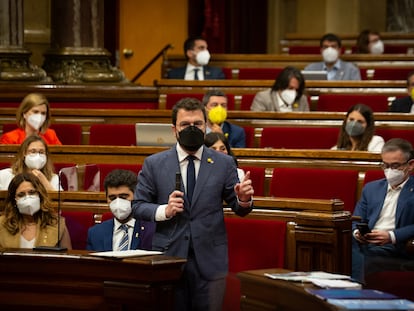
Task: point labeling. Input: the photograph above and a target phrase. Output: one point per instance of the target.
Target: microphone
(58, 247)
(178, 181)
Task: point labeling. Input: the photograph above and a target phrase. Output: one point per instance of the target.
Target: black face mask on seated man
(191, 138)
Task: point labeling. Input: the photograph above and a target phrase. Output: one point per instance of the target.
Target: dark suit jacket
(210, 73)
(100, 236)
(372, 200)
(235, 135)
(202, 223)
(401, 104)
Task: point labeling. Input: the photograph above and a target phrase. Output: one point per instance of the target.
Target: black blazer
(210, 73)
(402, 104)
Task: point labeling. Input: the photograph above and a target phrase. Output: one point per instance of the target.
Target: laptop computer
(154, 134)
(315, 74)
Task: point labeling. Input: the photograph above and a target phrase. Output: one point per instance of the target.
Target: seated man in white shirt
(337, 69)
(198, 56)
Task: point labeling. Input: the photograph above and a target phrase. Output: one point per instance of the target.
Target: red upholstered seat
(249, 132)
(258, 176)
(4, 165)
(105, 105)
(106, 216)
(252, 244)
(7, 127)
(259, 73)
(78, 224)
(297, 137)
(305, 49)
(385, 73)
(68, 134)
(316, 184)
(342, 102)
(246, 101)
(105, 169)
(112, 134)
(372, 175)
(395, 282)
(388, 133)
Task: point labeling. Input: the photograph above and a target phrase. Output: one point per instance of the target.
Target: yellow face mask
(217, 115)
(412, 93)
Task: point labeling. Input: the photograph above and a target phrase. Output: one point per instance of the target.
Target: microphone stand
(57, 248)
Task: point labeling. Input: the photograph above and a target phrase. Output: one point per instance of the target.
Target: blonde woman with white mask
(33, 157)
(33, 118)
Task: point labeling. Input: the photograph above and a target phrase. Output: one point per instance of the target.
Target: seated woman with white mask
(29, 219)
(286, 94)
(32, 157)
(33, 118)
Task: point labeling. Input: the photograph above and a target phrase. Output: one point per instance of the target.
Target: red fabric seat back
(342, 102)
(258, 177)
(249, 134)
(259, 73)
(107, 216)
(78, 224)
(316, 184)
(388, 133)
(68, 134)
(7, 127)
(255, 244)
(105, 169)
(246, 101)
(299, 137)
(372, 175)
(112, 134)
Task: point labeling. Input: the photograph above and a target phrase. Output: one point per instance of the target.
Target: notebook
(315, 74)
(154, 134)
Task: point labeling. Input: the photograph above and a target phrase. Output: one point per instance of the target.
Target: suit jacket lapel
(402, 199)
(136, 235)
(109, 237)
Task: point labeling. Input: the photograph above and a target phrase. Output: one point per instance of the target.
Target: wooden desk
(259, 293)
(76, 281)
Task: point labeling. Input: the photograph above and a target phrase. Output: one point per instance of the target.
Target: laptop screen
(315, 74)
(154, 134)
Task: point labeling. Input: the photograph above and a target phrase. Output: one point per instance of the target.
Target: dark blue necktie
(196, 73)
(191, 180)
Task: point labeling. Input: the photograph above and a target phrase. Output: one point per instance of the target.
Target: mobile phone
(363, 228)
(178, 181)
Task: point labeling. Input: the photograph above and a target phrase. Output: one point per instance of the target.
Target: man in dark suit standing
(405, 104)
(107, 236)
(183, 190)
(198, 56)
(387, 206)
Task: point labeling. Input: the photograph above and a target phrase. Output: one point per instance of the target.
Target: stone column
(15, 62)
(77, 54)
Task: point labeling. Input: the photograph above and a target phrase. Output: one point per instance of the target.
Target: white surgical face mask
(28, 205)
(377, 47)
(288, 96)
(394, 176)
(121, 208)
(36, 120)
(330, 55)
(203, 57)
(35, 161)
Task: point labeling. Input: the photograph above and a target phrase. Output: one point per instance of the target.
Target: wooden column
(77, 54)
(15, 62)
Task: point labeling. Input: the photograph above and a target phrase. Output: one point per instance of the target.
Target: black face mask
(191, 138)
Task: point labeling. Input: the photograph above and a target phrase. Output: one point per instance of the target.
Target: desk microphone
(57, 247)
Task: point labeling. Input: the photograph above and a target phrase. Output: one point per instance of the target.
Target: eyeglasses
(121, 196)
(393, 166)
(199, 124)
(34, 151)
(23, 194)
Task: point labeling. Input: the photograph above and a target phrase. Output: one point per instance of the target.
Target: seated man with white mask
(337, 69)
(123, 232)
(198, 56)
(286, 94)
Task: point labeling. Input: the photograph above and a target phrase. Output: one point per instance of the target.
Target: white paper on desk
(126, 254)
(298, 276)
(325, 283)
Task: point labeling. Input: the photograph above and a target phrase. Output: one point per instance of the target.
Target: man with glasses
(387, 207)
(183, 190)
(121, 232)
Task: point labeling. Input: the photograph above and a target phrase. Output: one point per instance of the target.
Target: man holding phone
(386, 210)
